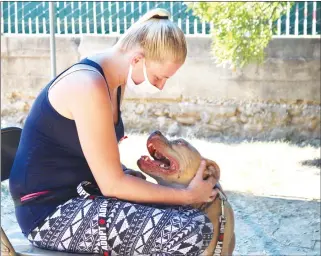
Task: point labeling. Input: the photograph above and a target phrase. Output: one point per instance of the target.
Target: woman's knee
(204, 227)
(200, 222)
(195, 235)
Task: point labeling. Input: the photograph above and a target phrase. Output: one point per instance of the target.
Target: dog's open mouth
(160, 160)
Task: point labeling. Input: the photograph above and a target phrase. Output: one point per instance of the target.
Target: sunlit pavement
(274, 188)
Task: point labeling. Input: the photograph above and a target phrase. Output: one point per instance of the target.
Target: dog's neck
(204, 206)
(220, 196)
(172, 185)
(201, 206)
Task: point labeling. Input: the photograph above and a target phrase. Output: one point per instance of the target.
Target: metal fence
(88, 17)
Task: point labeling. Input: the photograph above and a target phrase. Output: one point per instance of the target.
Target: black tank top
(49, 156)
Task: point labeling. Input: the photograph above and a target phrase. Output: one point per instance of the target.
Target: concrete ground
(274, 188)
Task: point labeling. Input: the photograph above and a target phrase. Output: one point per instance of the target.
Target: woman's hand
(135, 173)
(202, 190)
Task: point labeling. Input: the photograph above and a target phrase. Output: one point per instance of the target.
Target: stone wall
(226, 119)
(278, 100)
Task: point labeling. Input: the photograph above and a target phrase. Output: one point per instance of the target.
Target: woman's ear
(138, 57)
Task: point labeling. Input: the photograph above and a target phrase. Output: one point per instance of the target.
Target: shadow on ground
(275, 226)
(312, 162)
(315, 143)
(263, 225)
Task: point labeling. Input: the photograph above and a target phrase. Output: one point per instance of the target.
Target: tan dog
(175, 164)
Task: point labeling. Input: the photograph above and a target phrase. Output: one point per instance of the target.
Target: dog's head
(175, 162)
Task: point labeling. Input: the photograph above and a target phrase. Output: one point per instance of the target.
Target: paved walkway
(274, 189)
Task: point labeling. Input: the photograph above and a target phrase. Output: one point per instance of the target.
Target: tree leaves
(241, 30)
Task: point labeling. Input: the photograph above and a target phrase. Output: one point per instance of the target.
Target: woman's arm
(90, 107)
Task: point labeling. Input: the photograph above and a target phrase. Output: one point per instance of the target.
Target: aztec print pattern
(132, 229)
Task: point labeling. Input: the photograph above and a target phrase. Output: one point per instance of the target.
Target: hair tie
(160, 17)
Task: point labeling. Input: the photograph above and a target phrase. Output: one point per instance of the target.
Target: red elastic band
(26, 197)
(125, 137)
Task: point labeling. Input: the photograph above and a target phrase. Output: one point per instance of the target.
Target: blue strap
(91, 63)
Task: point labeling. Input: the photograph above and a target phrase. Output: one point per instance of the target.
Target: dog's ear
(212, 169)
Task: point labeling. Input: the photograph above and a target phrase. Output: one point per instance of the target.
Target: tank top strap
(91, 63)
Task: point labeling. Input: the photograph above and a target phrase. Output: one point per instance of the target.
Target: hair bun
(156, 36)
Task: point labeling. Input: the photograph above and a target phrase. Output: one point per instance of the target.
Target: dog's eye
(180, 142)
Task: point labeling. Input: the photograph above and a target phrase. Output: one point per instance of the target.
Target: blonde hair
(158, 37)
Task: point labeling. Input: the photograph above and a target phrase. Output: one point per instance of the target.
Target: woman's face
(157, 72)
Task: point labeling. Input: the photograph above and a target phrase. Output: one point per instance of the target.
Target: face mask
(143, 88)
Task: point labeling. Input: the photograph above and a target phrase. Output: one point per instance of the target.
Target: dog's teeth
(158, 155)
(164, 166)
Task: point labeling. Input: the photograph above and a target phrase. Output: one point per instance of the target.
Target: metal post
(52, 38)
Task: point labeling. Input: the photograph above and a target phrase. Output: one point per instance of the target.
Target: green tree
(241, 30)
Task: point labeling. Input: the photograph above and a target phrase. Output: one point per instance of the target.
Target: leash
(222, 219)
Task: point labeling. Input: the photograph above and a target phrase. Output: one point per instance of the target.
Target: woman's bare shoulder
(77, 86)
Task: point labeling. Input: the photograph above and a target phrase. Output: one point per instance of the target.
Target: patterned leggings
(132, 229)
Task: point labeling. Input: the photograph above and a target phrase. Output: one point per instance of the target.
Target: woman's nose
(161, 84)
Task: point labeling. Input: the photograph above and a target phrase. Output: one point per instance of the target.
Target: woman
(71, 136)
